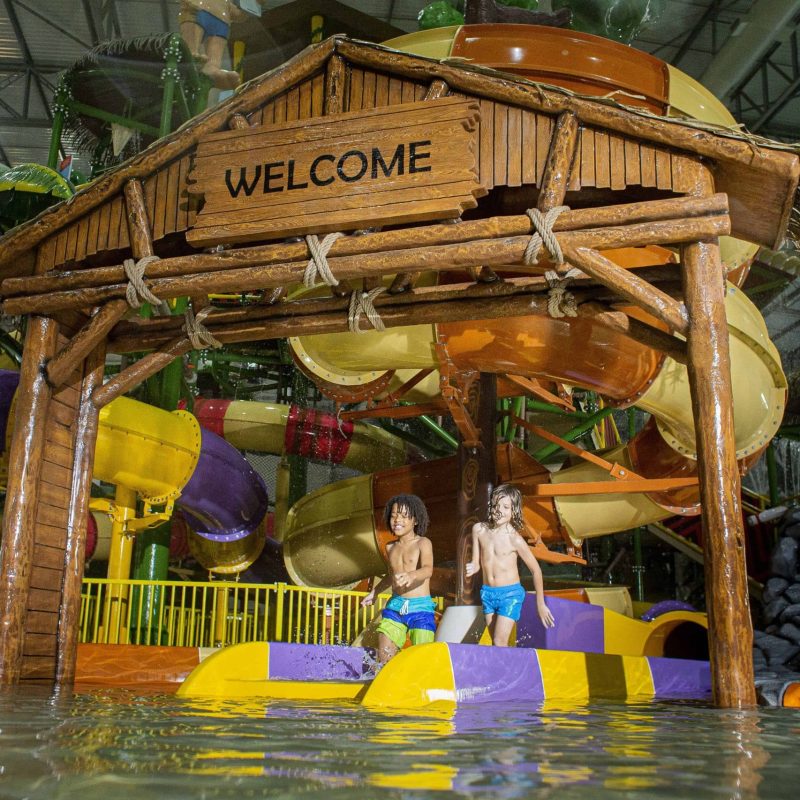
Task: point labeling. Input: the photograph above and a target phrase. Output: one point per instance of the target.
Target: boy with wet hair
(410, 610)
(496, 545)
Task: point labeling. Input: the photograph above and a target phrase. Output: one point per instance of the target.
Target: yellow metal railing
(202, 614)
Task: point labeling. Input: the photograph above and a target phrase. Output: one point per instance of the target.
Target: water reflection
(88, 746)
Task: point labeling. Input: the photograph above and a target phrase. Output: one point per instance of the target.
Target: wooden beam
(629, 286)
(140, 371)
(648, 335)
(437, 88)
(335, 85)
(83, 459)
(633, 486)
(93, 333)
(730, 626)
(422, 236)
(305, 316)
(441, 257)
(22, 494)
(138, 223)
(238, 122)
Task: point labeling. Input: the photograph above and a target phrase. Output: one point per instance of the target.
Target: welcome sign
(398, 164)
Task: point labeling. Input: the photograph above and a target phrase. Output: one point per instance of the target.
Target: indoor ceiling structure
(746, 52)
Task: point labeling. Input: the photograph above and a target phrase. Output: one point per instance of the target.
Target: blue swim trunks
(412, 615)
(211, 25)
(505, 601)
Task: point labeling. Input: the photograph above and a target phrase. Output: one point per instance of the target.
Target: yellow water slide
(291, 430)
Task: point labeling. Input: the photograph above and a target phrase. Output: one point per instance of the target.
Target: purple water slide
(225, 499)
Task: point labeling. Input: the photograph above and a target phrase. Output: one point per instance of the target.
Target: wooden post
(83, 460)
(477, 477)
(335, 85)
(559, 160)
(730, 627)
(19, 518)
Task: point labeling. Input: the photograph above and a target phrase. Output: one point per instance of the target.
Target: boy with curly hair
(410, 610)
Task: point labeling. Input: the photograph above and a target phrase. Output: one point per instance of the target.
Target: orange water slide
(335, 536)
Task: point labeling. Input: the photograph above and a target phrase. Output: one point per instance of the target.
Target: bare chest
(404, 558)
(497, 546)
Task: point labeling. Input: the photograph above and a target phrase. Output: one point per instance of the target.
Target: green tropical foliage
(439, 15)
(26, 190)
(614, 19)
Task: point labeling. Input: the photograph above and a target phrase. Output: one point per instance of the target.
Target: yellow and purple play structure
(592, 653)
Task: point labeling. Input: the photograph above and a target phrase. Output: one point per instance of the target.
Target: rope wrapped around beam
(362, 303)
(137, 292)
(200, 336)
(543, 235)
(318, 263)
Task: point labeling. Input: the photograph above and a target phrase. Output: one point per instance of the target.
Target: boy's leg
(421, 635)
(490, 625)
(386, 648)
(502, 631)
(391, 637)
(192, 34)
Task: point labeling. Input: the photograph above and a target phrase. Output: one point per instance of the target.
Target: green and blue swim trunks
(408, 616)
(505, 601)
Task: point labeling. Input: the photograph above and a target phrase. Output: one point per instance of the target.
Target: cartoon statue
(205, 25)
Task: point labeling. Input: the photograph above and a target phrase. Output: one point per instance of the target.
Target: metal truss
(103, 23)
(757, 100)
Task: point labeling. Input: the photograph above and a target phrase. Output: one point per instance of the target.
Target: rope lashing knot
(560, 301)
(318, 263)
(200, 336)
(543, 235)
(362, 303)
(136, 292)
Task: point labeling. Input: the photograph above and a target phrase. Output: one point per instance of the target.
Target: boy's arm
(524, 552)
(384, 583)
(423, 572)
(475, 562)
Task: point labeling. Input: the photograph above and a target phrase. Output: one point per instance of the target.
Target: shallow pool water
(122, 745)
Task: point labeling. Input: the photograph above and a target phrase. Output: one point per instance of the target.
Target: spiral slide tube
(165, 456)
(334, 535)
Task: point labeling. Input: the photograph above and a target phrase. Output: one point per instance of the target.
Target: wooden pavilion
(349, 136)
